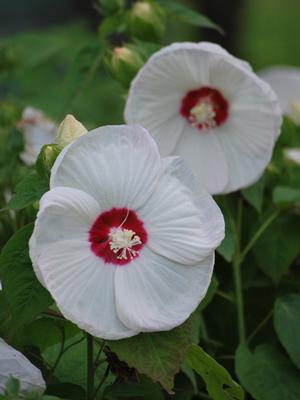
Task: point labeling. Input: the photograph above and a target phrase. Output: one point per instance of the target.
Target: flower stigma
(122, 241)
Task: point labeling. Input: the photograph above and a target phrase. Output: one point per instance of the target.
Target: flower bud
(46, 159)
(124, 64)
(69, 130)
(295, 112)
(147, 21)
(292, 155)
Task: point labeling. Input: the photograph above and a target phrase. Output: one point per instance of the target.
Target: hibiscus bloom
(285, 81)
(37, 130)
(203, 104)
(124, 240)
(14, 364)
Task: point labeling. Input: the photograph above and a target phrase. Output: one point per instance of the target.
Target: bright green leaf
(23, 292)
(219, 384)
(287, 325)
(30, 189)
(157, 355)
(267, 374)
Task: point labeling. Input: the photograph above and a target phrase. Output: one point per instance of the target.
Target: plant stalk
(90, 367)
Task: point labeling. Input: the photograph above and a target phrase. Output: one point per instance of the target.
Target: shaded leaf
(278, 246)
(267, 374)
(219, 383)
(23, 292)
(183, 14)
(157, 355)
(28, 190)
(227, 247)
(286, 196)
(287, 325)
(146, 390)
(255, 194)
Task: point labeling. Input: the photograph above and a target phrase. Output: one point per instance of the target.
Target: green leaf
(72, 367)
(287, 325)
(278, 246)
(146, 390)
(219, 383)
(83, 69)
(30, 189)
(286, 196)
(23, 292)
(227, 247)
(183, 14)
(209, 294)
(267, 374)
(112, 24)
(157, 355)
(255, 194)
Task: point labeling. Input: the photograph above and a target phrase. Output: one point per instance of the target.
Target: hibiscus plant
(150, 251)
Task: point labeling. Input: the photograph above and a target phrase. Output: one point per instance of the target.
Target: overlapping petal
(95, 164)
(156, 294)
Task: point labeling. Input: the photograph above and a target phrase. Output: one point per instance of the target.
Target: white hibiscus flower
(124, 241)
(285, 81)
(200, 102)
(37, 130)
(15, 364)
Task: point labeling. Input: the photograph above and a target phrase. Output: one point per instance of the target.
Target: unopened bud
(46, 159)
(292, 154)
(147, 21)
(124, 64)
(69, 130)
(295, 112)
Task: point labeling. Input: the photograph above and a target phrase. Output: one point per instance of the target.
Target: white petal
(156, 294)
(15, 364)
(285, 81)
(117, 165)
(205, 156)
(183, 222)
(253, 112)
(65, 214)
(82, 287)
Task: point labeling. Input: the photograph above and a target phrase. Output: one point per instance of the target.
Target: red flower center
(117, 236)
(204, 108)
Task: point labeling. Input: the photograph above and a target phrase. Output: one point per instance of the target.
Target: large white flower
(124, 241)
(200, 102)
(285, 81)
(15, 364)
(37, 130)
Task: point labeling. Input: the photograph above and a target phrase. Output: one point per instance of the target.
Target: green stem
(260, 326)
(236, 264)
(225, 295)
(102, 381)
(258, 234)
(90, 367)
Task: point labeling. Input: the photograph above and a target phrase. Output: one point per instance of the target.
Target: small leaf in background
(82, 70)
(286, 196)
(72, 367)
(157, 355)
(219, 384)
(278, 246)
(287, 325)
(30, 189)
(209, 294)
(183, 14)
(23, 292)
(227, 247)
(145, 389)
(267, 374)
(255, 194)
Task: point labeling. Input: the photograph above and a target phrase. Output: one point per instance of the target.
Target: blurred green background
(41, 39)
